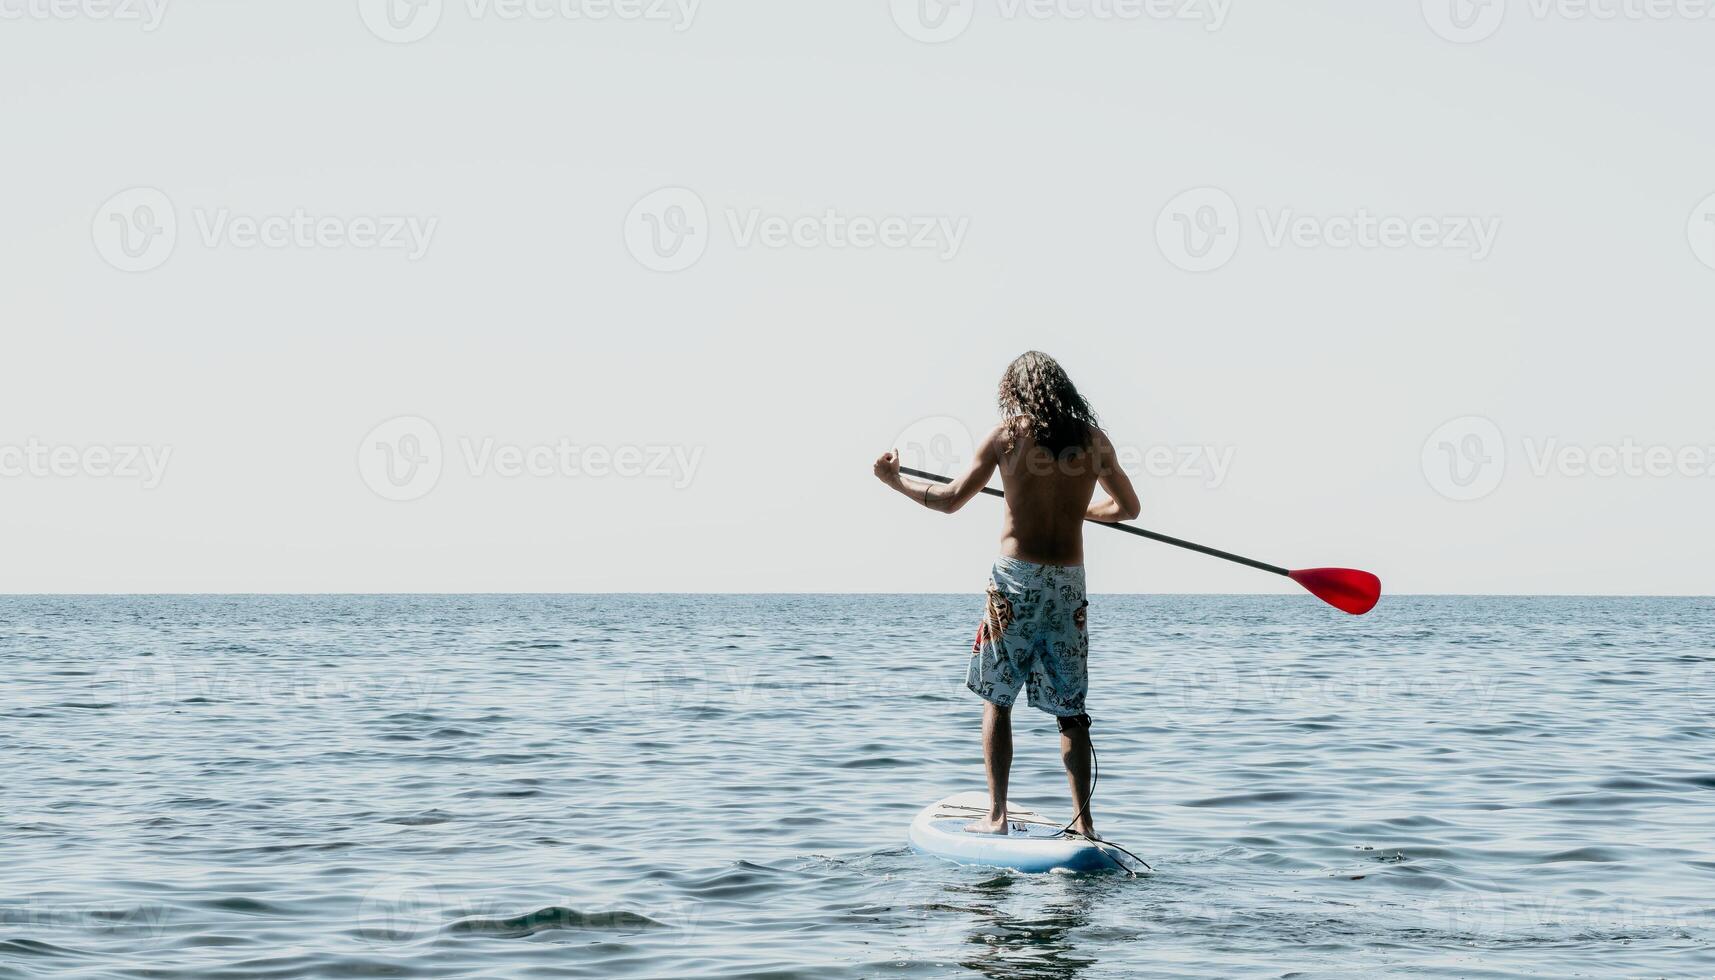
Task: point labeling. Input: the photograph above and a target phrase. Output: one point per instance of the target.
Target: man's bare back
(1048, 500)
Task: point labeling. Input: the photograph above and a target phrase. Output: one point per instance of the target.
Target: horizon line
(1228, 595)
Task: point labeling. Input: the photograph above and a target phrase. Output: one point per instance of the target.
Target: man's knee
(1072, 724)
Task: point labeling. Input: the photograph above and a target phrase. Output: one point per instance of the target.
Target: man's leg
(1075, 752)
(997, 759)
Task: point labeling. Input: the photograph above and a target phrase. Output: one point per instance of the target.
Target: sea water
(719, 786)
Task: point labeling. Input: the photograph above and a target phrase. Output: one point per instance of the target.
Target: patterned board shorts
(1033, 636)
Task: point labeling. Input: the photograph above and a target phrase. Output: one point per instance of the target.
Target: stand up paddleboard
(1032, 842)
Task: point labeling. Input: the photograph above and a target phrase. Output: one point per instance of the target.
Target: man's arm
(1122, 503)
(944, 497)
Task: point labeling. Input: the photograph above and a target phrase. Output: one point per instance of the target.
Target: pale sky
(1408, 287)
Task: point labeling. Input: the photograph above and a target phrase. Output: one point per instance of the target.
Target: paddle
(1346, 589)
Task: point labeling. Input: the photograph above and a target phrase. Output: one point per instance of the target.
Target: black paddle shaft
(1130, 529)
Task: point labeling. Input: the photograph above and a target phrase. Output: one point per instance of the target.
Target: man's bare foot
(1086, 829)
(987, 825)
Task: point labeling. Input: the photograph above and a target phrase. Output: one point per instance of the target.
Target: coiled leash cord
(1083, 721)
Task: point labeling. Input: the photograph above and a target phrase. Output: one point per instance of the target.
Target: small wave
(424, 819)
(247, 906)
(1241, 799)
(742, 880)
(1595, 855)
(875, 762)
(32, 947)
(410, 716)
(1629, 782)
(499, 794)
(557, 918)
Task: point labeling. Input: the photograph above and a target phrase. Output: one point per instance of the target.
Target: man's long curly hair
(1036, 397)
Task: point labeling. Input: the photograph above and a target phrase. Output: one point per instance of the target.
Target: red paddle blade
(1346, 589)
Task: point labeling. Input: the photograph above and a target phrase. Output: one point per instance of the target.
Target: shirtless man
(1051, 457)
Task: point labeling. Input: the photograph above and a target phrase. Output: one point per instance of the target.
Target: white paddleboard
(1030, 843)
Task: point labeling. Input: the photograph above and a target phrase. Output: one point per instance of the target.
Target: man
(1051, 457)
